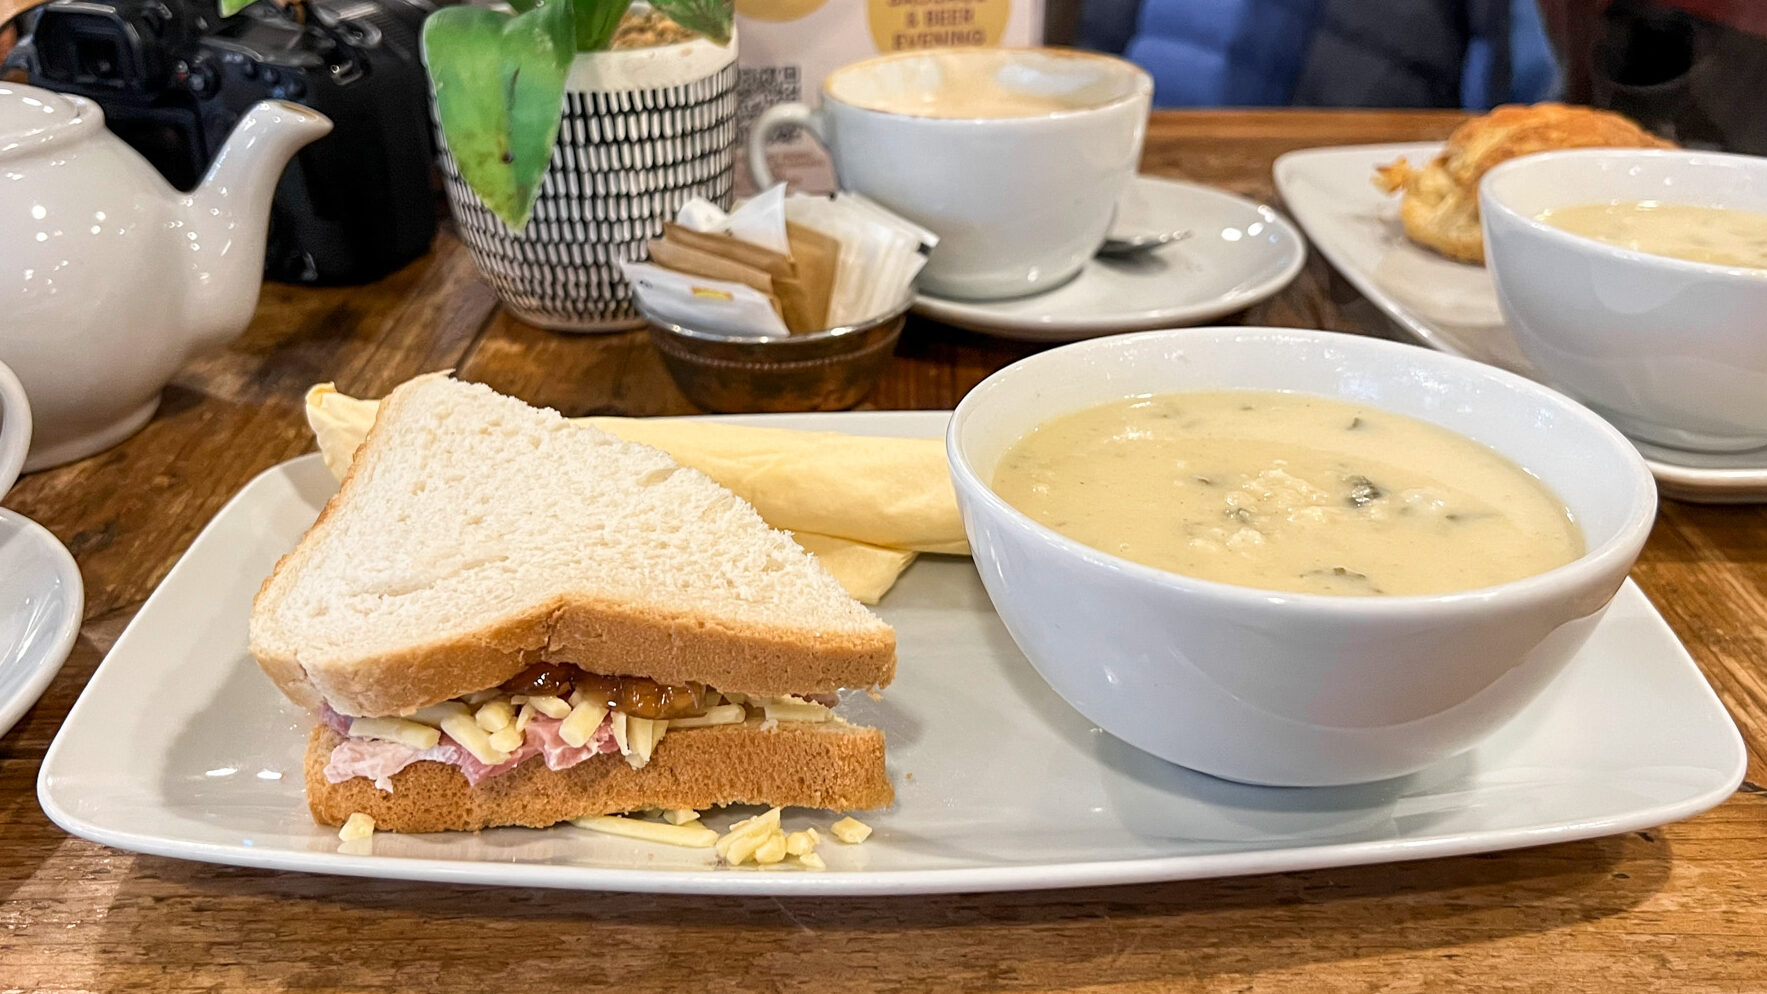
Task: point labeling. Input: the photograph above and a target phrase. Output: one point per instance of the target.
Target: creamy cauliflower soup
(1288, 492)
(1697, 234)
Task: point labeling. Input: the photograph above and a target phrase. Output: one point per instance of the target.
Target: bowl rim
(827, 334)
(1560, 582)
(1141, 86)
(1489, 202)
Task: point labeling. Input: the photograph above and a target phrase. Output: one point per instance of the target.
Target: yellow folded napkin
(862, 505)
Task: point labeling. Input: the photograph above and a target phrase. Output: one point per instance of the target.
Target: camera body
(173, 78)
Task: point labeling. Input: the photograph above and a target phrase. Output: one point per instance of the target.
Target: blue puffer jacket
(1397, 53)
(1223, 53)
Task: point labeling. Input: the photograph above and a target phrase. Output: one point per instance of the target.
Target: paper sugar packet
(882, 252)
(719, 307)
(818, 262)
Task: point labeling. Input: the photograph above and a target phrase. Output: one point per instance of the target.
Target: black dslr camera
(173, 77)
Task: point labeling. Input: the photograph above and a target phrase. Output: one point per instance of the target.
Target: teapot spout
(226, 218)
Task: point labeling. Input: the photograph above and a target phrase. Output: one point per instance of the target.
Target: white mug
(1015, 158)
(15, 428)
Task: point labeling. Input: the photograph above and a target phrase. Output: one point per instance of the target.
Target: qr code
(759, 89)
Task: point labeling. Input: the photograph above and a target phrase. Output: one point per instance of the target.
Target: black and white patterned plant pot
(644, 131)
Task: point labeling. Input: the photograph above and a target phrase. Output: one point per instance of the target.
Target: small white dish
(1241, 253)
(1451, 306)
(181, 747)
(41, 600)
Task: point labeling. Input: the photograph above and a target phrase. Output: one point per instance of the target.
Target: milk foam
(983, 83)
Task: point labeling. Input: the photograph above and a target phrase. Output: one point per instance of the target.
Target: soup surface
(1288, 492)
(1697, 234)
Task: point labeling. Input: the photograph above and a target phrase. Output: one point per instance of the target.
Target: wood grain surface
(1682, 908)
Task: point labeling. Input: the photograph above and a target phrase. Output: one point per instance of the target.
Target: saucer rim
(45, 665)
(985, 316)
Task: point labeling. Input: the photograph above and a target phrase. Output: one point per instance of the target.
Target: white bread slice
(794, 764)
(475, 535)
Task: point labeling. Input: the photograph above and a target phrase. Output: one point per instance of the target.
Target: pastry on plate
(1440, 209)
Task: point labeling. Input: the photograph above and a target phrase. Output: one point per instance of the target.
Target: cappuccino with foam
(1015, 158)
(974, 84)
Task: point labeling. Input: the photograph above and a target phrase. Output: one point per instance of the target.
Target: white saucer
(1450, 306)
(41, 598)
(1239, 253)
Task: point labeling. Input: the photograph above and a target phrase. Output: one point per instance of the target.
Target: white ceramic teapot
(109, 277)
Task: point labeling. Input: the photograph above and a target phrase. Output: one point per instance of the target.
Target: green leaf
(231, 7)
(596, 22)
(708, 17)
(499, 85)
(523, 6)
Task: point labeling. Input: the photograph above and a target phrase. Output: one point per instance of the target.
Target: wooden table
(1683, 907)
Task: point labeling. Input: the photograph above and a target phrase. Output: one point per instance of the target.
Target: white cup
(1015, 158)
(15, 428)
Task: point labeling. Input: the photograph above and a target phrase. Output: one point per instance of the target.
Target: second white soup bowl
(1279, 688)
(1670, 351)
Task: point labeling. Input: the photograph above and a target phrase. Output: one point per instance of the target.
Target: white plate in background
(1239, 253)
(1452, 306)
(41, 599)
(181, 747)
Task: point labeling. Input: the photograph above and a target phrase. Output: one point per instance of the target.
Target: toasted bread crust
(597, 634)
(283, 668)
(838, 767)
(1440, 209)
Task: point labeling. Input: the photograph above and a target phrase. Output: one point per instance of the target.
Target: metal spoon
(1117, 246)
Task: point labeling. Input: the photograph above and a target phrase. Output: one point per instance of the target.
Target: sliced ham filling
(378, 759)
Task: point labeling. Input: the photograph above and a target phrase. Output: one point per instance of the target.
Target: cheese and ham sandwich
(507, 618)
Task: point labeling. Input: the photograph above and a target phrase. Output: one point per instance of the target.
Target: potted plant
(572, 129)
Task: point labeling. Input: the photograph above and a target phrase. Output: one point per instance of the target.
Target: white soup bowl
(1670, 351)
(1279, 688)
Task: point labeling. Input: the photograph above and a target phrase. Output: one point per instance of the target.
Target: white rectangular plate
(181, 747)
(1451, 306)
